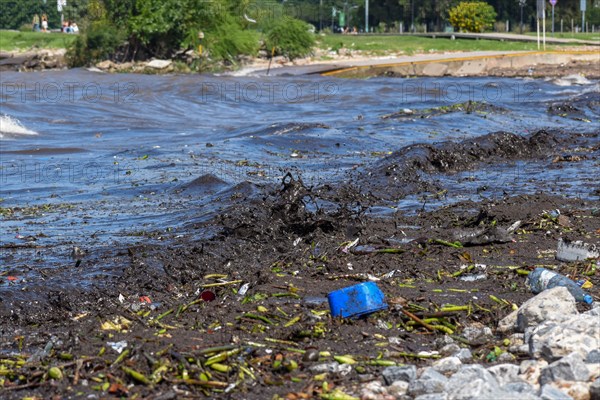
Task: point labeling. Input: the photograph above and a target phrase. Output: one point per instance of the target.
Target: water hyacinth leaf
(344, 359)
(55, 373)
(117, 324)
(137, 376)
(337, 395)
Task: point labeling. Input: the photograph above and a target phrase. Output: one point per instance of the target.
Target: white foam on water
(572, 80)
(570, 90)
(11, 128)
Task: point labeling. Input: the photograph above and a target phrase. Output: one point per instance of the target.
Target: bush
(229, 40)
(472, 16)
(290, 37)
(100, 42)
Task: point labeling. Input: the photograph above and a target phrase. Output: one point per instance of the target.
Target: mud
(286, 246)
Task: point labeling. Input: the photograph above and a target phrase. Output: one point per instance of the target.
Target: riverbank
(33, 60)
(585, 63)
(358, 55)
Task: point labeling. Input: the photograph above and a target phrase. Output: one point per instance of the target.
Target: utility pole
(366, 16)
(522, 4)
(553, 2)
(412, 16)
(541, 15)
(582, 7)
(320, 15)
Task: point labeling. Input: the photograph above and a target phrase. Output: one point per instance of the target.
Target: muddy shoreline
(285, 246)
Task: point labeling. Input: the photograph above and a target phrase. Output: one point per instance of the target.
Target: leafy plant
(100, 42)
(290, 37)
(472, 16)
(229, 40)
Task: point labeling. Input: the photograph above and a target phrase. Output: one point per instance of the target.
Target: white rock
(517, 344)
(508, 395)
(553, 340)
(548, 392)
(106, 64)
(569, 368)
(477, 333)
(472, 382)
(406, 373)
(594, 371)
(555, 304)
(505, 373)
(332, 367)
(159, 64)
(464, 355)
(432, 396)
(520, 390)
(505, 358)
(430, 381)
(398, 388)
(577, 390)
(530, 371)
(595, 389)
(449, 349)
(444, 340)
(593, 357)
(594, 312)
(508, 323)
(448, 365)
(375, 387)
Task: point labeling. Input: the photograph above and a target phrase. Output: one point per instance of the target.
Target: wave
(572, 80)
(11, 127)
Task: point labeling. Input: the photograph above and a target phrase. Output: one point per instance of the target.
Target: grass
(378, 45)
(14, 40)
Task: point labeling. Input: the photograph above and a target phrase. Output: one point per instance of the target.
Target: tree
(472, 17)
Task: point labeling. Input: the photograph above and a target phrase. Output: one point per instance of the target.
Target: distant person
(44, 23)
(354, 31)
(74, 28)
(36, 23)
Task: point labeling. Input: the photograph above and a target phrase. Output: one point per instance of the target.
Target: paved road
(508, 37)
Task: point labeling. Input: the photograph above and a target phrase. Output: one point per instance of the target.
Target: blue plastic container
(356, 301)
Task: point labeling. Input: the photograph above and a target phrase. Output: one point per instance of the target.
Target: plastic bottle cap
(588, 299)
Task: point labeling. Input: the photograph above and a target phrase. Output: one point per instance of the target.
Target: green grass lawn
(14, 40)
(568, 35)
(412, 44)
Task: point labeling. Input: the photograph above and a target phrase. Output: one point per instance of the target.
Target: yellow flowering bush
(472, 16)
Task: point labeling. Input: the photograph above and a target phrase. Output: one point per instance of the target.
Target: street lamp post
(412, 16)
(366, 16)
(320, 15)
(522, 4)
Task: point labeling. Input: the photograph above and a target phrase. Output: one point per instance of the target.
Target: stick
(271, 59)
(417, 319)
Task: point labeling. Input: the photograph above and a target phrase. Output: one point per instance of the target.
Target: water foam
(11, 127)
